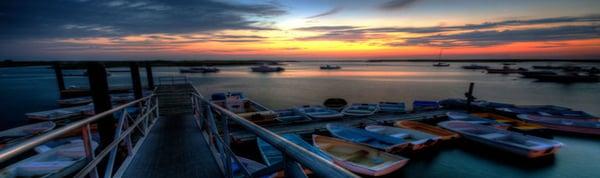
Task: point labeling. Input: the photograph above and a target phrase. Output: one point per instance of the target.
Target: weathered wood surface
(174, 148)
(240, 135)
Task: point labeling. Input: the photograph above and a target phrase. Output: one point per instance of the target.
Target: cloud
(397, 4)
(52, 19)
(497, 37)
(326, 13)
(326, 28)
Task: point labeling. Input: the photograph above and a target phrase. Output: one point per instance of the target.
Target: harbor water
(30, 89)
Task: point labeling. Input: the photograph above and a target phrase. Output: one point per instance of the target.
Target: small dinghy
(335, 103)
(360, 109)
(272, 156)
(418, 140)
(291, 115)
(461, 116)
(319, 112)
(237, 103)
(565, 125)
(63, 113)
(60, 161)
(392, 107)
(357, 158)
(524, 145)
(422, 127)
(11, 136)
(361, 136)
(425, 105)
(74, 101)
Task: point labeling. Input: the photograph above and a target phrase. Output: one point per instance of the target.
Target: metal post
(135, 79)
(99, 90)
(60, 81)
(470, 97)
(227, 144)
(149, 75)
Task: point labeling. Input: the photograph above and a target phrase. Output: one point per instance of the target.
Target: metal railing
(294, 156)
(129, 122)
(172, 80)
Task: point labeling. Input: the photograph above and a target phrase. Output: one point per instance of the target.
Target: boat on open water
(520, 144)
(266, 69)
(358, 158)
(330, 67)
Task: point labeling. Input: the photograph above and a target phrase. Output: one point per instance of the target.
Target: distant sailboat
(441, 64)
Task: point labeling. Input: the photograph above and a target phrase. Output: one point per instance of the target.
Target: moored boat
(330, 67)
(524, 145)
(361, 136)
(419, 105)
(360, 109)
(237, 103)
(441, 64)
(392, 107)
(563, 124)
(62, 113)
(265, 69)
(418, 140)
(505, 70)
(515, 123)
(319, 112)
(422, 127)
(291, 115)
(14, 135)
(200, 70)
(461, 116)
(60, 161)
(270, 154)
(358, 158)
(335, 103)
(475, 67)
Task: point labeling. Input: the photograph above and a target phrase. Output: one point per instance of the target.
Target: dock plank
(241, 135)
(174, 148)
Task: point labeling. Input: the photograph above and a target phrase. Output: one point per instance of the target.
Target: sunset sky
(298, 29)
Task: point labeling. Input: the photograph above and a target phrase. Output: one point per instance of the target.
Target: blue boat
(319, 112)
(425, 105)
(466, 117)
(360, 109)
(392, 107)
(361, 136)
(291, 115)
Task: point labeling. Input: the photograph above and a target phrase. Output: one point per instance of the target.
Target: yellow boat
(516, 124)
(442, 133)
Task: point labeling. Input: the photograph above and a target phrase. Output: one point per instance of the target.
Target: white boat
(60, 161)
(62, 113)
(392, 107)
(237, 103)
(319, 112)
(360, 109)
(520, 144)
(418, 140)
(11, 136)
(265, 68)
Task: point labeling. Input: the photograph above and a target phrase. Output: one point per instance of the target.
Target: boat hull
(442, 133)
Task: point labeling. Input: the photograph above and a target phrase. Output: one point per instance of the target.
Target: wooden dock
(240, 135)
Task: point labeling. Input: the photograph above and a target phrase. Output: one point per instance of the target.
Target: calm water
(32, 89)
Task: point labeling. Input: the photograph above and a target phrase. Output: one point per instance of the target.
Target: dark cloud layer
(326, 13)
(397, 4)
(77, 18)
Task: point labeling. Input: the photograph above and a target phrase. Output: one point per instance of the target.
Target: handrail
(12, 151)
(317, 164)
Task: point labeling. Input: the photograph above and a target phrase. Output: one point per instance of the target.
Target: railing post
(87, 145)
(229, 171)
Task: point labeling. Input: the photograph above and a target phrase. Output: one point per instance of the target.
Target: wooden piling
(135, 80)
(149, 76)
(102, 102)
(60, 81)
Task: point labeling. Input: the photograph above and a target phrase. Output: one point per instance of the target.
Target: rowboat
(270, 154)
(418, 140)
(461, 116)
(11, 136)
(358, 158)
(62, 113)
(60, 161)
(524, 145)
(361, 136)
(515, 124)
(237, 103)
(422, 127)
(425, 105)
(392, 107)
(360, 109)
(335, 103)
(319, 112)
(291, 115)
(562, 124)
